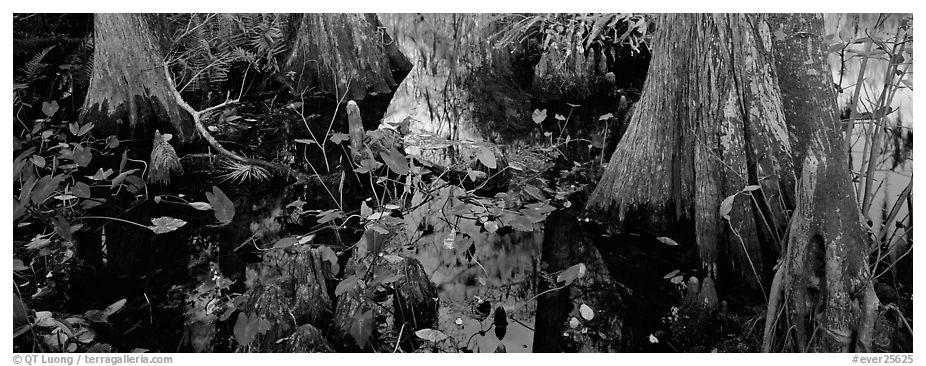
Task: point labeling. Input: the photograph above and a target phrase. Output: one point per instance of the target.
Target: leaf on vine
(571, 274)
(539, 115)
(726, 206)
(486, 157)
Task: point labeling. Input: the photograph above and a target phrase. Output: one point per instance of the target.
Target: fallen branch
(198, 122)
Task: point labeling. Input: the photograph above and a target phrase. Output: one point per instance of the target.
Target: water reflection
(477, 272)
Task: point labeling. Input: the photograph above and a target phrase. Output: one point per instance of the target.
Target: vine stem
(113, 219)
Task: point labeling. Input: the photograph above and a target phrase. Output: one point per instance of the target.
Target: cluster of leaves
(577, 31)
(52, 188)
(70, 333)
(207, 46)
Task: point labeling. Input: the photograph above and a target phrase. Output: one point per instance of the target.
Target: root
(774, 304)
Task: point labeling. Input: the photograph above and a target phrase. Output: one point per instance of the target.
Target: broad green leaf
(165, 224)
(246, 328)
(50, 108)
(571, 274)
(224, 208)
(539, 115)
(586, 312)
(345, 285)
(395, 160)
(84, 129)
(362, 327)
(82, 156)
(329, 256)
(486, 157)
(286, 242)
(81, 190)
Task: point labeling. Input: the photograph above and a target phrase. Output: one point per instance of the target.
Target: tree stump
(307, 339)
(290, 291)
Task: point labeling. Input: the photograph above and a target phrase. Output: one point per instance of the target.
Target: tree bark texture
(129, 95)
(823, 289)
(344, 54)
(708, 125)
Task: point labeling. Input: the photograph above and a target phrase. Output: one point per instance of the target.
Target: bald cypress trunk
(709, 126)
(129, 94)
(344, 54)
(822, 288)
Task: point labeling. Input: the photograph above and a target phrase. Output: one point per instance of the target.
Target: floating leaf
(573, 322)
(671, 274)
(224, 208)
(652, 338)
(165, 224)
(586, 312)
(667, 241)
(491, 226)
(559, 117)
(432, 335)
(605, 116)
(539, 115)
